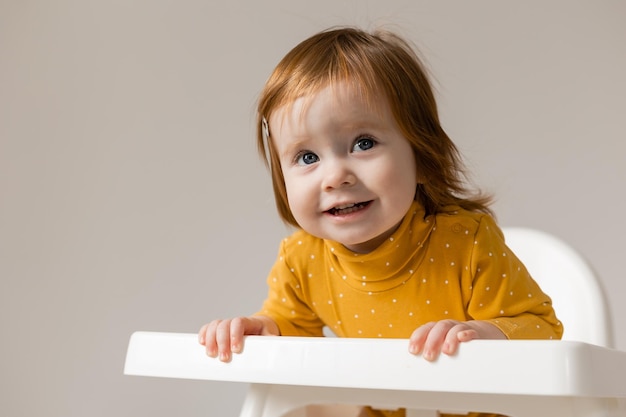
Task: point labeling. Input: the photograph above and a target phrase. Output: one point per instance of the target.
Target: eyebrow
(292, 148)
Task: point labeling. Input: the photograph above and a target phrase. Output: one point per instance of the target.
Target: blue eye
(307, 158)
(363, 144)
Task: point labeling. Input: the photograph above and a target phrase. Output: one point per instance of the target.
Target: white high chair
(564, 274)
(578, 376)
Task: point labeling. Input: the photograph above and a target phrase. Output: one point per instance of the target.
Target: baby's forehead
(330, 97)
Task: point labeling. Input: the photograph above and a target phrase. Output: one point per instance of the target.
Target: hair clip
(266, 128)
(266, 142)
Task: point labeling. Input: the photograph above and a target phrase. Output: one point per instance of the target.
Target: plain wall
(132, 197)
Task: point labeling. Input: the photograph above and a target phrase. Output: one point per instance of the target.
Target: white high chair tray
(525, 377)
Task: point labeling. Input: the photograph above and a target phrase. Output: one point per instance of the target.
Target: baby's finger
(237, 331)
(418, 338)
(209, 338)
(202, 334)
(452, 340)
(435, 339)
(458, 334)
(222, 338)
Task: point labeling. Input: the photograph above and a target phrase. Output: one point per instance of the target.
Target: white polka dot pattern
(449, 266)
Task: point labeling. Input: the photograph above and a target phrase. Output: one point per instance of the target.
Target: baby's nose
(338, 174)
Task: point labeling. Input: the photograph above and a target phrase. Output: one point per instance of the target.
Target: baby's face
(350, 175)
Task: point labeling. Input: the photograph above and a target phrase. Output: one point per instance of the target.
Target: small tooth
(345, 206)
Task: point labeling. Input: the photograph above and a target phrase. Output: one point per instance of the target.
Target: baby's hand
(222, 338)
(436, 337)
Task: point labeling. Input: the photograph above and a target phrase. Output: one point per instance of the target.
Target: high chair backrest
(567, 278)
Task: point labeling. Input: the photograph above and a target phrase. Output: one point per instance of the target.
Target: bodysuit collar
(389, 265)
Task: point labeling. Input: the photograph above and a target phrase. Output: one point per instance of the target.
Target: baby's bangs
(330, 66)
(359, 63)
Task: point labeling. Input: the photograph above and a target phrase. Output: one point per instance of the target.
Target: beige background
(131, 196)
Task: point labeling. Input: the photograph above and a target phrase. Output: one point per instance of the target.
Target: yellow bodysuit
(452, 265)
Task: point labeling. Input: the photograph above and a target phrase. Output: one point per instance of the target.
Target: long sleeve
(504, 293)
(286, 304)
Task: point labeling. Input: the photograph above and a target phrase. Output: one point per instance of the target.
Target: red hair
(378, 63)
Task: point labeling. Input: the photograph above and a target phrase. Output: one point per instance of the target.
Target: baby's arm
(222, 338)
(444, 336)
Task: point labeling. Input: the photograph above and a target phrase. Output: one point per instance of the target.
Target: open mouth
(347, 208)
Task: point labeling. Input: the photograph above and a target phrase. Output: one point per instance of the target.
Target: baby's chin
(365, 246)
(356, 240)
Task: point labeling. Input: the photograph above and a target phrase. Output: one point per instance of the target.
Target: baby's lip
(345, 208)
